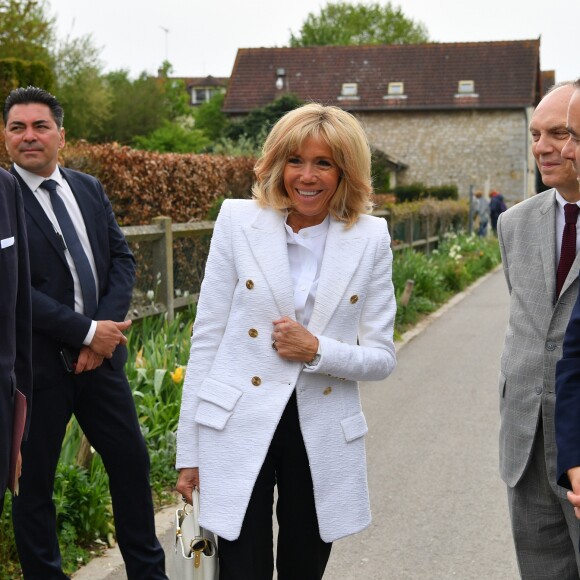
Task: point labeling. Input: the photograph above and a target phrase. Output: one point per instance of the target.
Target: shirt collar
(562, 202)
(34, 181)
(320, 229)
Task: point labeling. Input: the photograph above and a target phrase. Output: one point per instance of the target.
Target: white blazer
(236, 386)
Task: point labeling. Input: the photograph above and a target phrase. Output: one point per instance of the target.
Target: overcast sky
(204, 35)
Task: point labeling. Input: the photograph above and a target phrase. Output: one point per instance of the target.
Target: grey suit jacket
(535, 332)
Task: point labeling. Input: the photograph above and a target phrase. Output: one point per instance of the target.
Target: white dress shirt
(305, 252)
(63, 189)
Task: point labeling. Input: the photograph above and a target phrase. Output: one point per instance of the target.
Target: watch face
(314, 361)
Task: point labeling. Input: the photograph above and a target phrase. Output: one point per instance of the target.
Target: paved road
(439, 506)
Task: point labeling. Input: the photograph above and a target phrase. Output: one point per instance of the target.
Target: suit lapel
(342, 254)
(267, 240)
(38, 215)
(86, 206)
(547, 235)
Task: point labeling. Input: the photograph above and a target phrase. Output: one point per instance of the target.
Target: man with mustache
(82, 275)
(541, 266)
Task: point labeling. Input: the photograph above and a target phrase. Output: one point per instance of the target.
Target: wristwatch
(316, 359)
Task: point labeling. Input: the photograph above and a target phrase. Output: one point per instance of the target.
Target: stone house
(451, 113)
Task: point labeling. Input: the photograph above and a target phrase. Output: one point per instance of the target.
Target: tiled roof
(506, 74)
(204, 82)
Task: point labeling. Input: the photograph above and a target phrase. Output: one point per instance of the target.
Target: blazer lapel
(35, 211)
(86, 206)
(547, 236)
(342, 255)
(267, 240)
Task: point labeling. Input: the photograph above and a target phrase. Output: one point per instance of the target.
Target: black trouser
(301, 554)
(103, 405)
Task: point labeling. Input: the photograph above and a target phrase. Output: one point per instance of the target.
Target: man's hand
(88, 360)
(187, 480)
(574, 495)
(108, 336)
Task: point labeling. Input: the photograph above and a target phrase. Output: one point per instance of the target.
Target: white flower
(150, 294)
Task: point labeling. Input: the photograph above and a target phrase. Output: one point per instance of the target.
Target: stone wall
(486, 149)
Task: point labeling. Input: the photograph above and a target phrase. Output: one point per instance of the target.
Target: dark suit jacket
(568, 399)
(15, 313)
(54, 321)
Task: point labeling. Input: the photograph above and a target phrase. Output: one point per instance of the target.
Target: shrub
(412, 192)
(443, 192)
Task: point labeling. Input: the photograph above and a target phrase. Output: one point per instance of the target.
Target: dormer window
(349, 90)
(396, 89)
(465, 94)
(465, 87)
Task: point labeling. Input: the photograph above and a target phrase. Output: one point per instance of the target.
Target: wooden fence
(163, 296)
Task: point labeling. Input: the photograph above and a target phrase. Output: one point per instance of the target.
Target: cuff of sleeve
(91, 333)
(313, 364)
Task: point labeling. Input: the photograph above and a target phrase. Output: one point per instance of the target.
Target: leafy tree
(209, 117)
(172, 137)
(175, 99)
(26, 31)
(260, 120)
(340, 23)
(16, 73)
(81, 88)
(136, 107)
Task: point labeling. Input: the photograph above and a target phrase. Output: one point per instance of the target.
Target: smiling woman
(296, 307)
(310, 179)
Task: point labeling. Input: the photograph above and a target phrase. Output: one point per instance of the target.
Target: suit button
(253, 332)
(354, 299)
(551, 346)
(256, 381)
(327, 391)
(249, 284)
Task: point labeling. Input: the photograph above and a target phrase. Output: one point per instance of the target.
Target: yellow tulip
(177, 375)
(139, 360)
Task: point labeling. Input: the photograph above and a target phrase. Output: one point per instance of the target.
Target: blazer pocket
(7, 242)
(217, 403)
(502, 383)
(354, 427)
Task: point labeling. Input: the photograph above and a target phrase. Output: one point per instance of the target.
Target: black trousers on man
(103, 405)
(301, 554)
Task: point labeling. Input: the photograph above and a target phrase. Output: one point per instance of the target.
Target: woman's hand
(187, 480)
(293, 341)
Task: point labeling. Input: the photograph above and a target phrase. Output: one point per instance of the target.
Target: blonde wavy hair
(345, 137)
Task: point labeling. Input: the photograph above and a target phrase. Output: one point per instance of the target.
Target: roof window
(465, 87)
(349, 91)
(395, 91)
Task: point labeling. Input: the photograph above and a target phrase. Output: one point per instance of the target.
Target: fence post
(409, 233)
(471, 210)
(163, 264)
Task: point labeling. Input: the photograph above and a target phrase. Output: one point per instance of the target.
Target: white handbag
(195, 556)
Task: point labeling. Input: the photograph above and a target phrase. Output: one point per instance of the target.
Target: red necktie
(568, 251)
